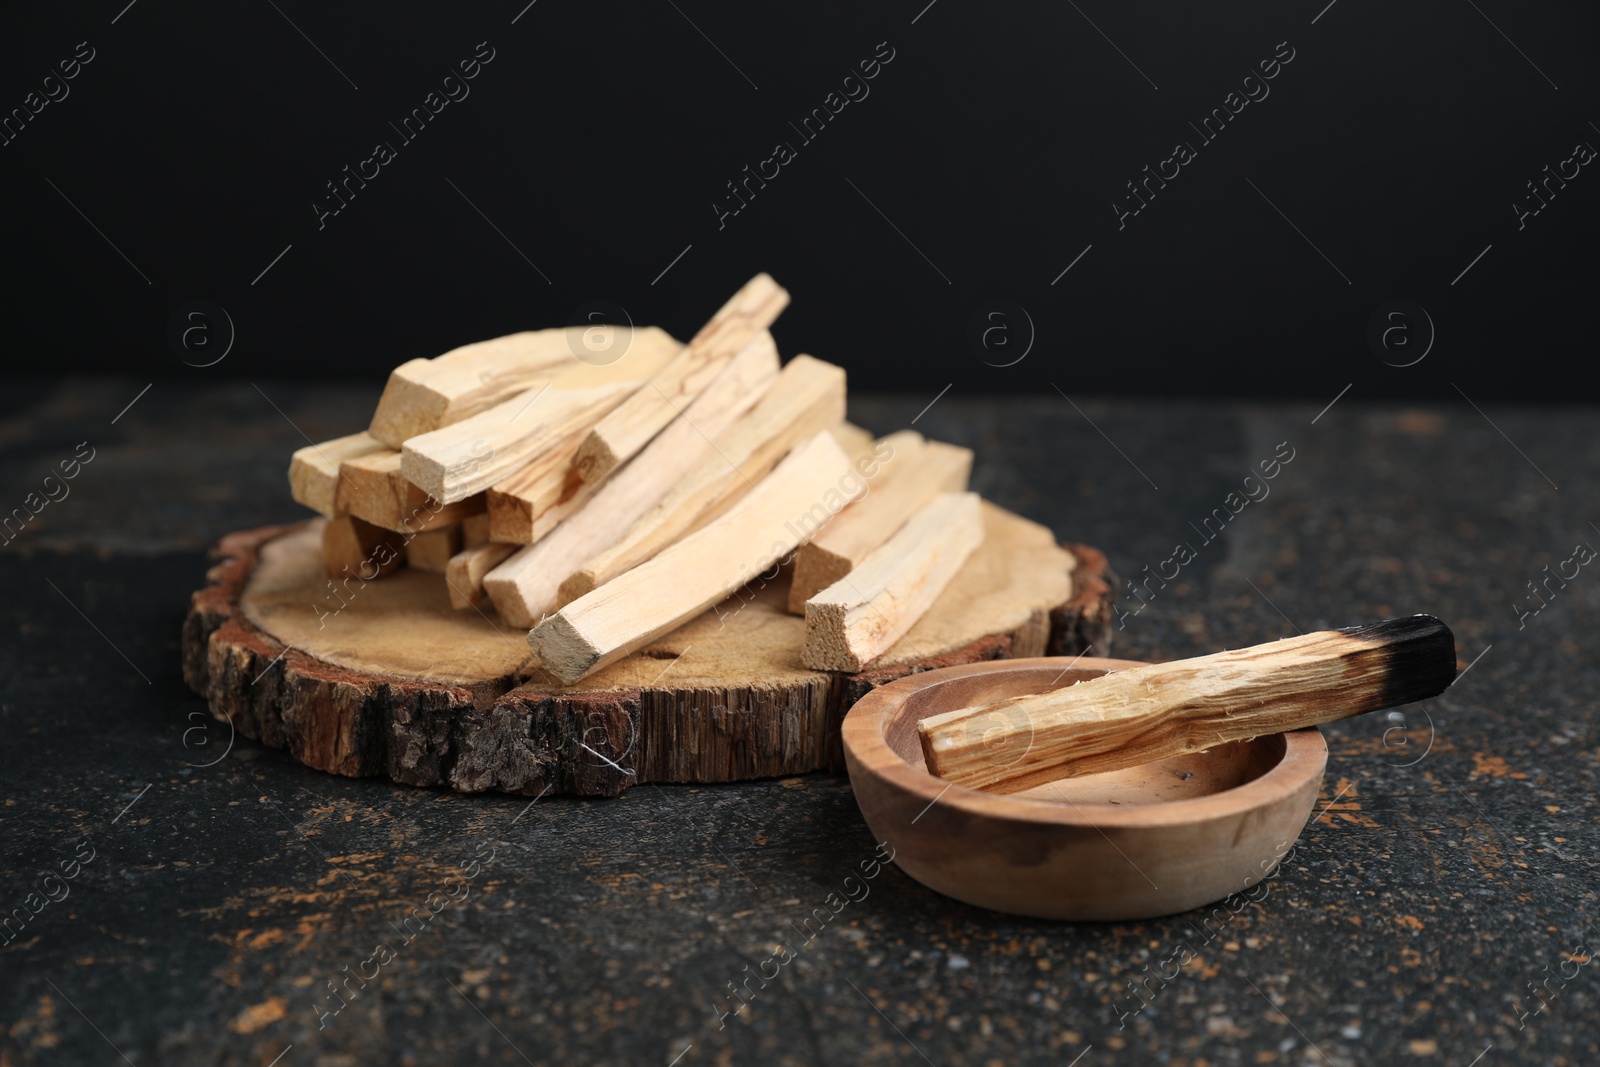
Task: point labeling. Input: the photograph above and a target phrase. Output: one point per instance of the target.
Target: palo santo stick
(465, 572)
(351, 546)
(622, 433)
(458, 461)
(371, 487)
(856, 442)
(855, 620)
(1148, 713)
(909, 472)
(697, 572)
(535, 499)
(808, 397)
(314, 470)
(524, 587)
(815, 569)
(475, 530)
(431, 550)
(426, 394)
(473, 454)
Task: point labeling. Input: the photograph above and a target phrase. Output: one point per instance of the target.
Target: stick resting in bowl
(1165, 709)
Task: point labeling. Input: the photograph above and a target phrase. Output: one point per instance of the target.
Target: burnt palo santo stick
(1148, 713)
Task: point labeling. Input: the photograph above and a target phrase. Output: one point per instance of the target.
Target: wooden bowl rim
(1304, 758)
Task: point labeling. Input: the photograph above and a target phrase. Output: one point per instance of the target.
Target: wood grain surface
(391, 680)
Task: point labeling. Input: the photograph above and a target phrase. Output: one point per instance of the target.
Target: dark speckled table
(181, 906)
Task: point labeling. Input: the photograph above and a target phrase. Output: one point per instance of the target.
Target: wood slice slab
(386, 678)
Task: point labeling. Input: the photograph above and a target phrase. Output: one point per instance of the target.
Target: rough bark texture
(1083, 624)
(496, 736)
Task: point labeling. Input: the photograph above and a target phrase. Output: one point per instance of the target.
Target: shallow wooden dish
(1132, 844)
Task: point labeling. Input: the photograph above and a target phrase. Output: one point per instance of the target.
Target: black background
(996, 142)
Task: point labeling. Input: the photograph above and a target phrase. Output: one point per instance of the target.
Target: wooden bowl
(1152, 840)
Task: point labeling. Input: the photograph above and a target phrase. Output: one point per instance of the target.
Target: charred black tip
(1420, 657)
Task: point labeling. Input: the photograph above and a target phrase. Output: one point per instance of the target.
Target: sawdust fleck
(1492, 766)
(254, 1018)
(264, 939)
(1345, 807)
(39, 1027)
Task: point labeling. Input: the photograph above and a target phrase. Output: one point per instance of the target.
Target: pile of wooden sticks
(602, 486)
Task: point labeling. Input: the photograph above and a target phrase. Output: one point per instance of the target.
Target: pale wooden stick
(467, 458)
(906, 473)
(856, 442)
(524, 587)
(697, 572)
(371, 487)
(623, 432)
(475, 530)
(471, 455)
(424, 395)
(535, 500)
(859, 617)
(465, 572)
(431, 550)
(1149, 713)
(351, 546)
(807, 397)
(817, 568)
(314, 469)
